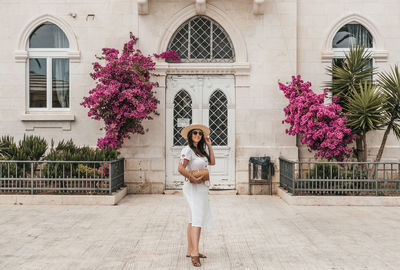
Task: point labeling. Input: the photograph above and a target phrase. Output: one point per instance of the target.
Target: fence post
(249, 179)
(110, 176)
(293, 176)
(123, 172)
(270, 177)
(32, 164)
(376, 179)
(280, 172)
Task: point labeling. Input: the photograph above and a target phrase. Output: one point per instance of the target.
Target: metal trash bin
(261, 170)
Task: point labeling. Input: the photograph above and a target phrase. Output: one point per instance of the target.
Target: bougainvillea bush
(123, 96)
(321, 127)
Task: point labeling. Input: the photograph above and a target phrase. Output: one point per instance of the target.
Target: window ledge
(327, 56)
(378, 55)
(381, 55)
(20, 56)
(28, 117)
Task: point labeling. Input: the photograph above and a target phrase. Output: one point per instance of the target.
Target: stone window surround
(378, 50)
(379, 54)
(209, 52)
(54, 118)
(240, 68)
(341, 52)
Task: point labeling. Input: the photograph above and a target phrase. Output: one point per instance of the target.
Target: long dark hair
(200, 150)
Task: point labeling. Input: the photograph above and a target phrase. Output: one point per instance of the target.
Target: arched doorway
(202, 98)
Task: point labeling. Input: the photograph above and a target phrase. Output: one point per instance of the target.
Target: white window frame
(48, 54)
(341, 52)
(380, 54)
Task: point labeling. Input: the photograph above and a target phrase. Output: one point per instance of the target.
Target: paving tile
(149, 232)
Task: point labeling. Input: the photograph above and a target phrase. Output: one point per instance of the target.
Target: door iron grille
(182, 110)
(218, 118)
(201, 39)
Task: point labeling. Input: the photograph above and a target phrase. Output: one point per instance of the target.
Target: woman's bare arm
(210, 151)
(182, 170)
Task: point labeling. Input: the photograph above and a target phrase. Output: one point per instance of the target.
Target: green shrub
(332, 171)
(325, 175)
(68, 151)
(29, 148)
(32, 147)
(7, 146)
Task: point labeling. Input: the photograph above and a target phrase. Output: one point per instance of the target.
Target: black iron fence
(61, 177)
(340, 178)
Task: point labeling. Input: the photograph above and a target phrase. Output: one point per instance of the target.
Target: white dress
(196, 195)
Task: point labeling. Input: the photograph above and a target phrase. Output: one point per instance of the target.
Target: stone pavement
(149, 232)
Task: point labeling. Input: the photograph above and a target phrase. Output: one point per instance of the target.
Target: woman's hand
(196, 180)
(182, 170)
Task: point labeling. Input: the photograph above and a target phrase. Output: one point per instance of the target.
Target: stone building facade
(237, 85)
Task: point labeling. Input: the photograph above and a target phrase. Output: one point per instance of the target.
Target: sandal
(195, 261)
(200, 256)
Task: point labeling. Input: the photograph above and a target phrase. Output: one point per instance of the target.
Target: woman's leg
(189, 239)
(195, 240)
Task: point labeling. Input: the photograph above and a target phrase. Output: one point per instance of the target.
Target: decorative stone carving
(258, 7)
(143, 7)
(201, 6)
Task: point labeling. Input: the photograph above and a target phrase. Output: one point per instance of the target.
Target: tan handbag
(203, 172)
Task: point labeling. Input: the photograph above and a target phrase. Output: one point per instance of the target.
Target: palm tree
(347, 84)
(390, 85)
(365, 111)
(347, 74)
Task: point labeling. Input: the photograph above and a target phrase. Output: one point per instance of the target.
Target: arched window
(48, 69)
(348, 35)
(201, 39)
(48, 35)
(182, 115)
(218, 118)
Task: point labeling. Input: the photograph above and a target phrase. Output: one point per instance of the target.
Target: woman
(194, 157)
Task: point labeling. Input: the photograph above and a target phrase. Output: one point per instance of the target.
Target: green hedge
(325, 173)
(34, 148)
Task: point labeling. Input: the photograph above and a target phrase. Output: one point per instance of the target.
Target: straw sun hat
(185, 130)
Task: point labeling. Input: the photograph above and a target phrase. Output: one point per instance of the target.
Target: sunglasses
(197, 132)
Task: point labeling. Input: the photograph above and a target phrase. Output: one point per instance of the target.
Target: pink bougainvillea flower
(123, 96)
(321, 127)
